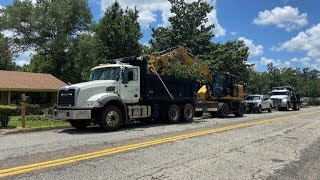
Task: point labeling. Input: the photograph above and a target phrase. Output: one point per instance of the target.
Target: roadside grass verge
(34, 122)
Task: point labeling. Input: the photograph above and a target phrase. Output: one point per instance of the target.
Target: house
(42, 88)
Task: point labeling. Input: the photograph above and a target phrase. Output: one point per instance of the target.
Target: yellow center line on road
(126, 148)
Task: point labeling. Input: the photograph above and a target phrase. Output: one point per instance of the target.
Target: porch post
(9, 97)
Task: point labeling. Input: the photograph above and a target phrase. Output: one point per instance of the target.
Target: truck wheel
(187, 113)
(111, 118)
(270, 109)
(223, 110)
(287, 107)
(198, 113)
(173, 114)
(296, 107)
(259, 109)
(79, 124)
(240, 111)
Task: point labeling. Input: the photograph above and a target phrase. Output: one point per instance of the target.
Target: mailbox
(26, 99)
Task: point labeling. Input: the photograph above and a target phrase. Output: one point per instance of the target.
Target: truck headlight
(93, 104)
(284, 100)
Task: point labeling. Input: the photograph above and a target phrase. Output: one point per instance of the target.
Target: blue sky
(284, 32)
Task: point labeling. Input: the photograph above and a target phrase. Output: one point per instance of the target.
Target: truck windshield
(109, 73)
(253, 98)
(280, 93)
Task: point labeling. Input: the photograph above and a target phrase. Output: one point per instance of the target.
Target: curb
(27, 130)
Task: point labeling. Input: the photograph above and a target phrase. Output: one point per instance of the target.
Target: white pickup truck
(258, 103)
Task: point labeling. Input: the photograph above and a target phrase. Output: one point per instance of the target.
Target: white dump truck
(285, 97)
(121, 91)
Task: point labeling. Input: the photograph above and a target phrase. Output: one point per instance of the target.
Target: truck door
(130, 86)
(264, 103)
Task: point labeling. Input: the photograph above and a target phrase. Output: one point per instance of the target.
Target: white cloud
(1, 7)
(149, 9)
(22, 62)
(8, 33)
(33, 1)
(276, 62)
(233, 33)
(307, 41)
(287, 17)
(24, 57)
(307, 62)
(255, 50)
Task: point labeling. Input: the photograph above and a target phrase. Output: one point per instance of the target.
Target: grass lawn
(15, 122)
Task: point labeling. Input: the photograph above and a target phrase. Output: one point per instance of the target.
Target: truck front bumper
(72, 114)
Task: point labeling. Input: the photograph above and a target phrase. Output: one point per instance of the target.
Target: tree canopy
(118, 33)
(5, 55)
(188, 28)
(49, 27)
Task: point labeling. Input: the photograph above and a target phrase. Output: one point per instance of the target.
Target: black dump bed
(181, 89)
(152, 88)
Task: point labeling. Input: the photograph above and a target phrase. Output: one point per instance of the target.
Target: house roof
(22, 81)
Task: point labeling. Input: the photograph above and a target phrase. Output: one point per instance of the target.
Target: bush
(36, 109)
(5, 112)
(36, 118)
(314, 102)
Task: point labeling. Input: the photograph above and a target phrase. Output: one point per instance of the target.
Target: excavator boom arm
(161, 61)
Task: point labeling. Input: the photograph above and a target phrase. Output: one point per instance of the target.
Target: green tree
(229, 57)
(5, 55)
(118, 33)
(187, 28)
(84, 56)
(49, 27)
(81, 57)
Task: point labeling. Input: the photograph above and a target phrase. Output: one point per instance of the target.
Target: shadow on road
(137, 126)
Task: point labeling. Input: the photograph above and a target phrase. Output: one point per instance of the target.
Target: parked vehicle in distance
(285, 97)
(258, 103)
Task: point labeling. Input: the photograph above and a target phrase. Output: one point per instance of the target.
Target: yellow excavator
(221, 95)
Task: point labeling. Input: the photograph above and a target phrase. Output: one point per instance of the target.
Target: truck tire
(240, 111)
(79, 124)
(287, 107)
(173, 114)
(270, 109)
(187, 113)
(296, 107)
(111, 118)
(259, 110)
(223, 110)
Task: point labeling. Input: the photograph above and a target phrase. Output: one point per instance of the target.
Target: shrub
(314, 102)
(36, 118)
(5, 112)
(36, 109)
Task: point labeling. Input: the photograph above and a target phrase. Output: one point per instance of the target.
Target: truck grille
(276, 102)
(66, 97)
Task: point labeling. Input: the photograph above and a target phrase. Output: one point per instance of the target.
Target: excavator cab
(226, 86)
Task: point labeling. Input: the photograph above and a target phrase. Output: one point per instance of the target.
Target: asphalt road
(277, 145)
